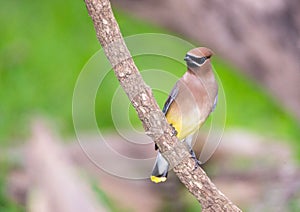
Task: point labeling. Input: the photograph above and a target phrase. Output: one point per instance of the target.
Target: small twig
(154, 122)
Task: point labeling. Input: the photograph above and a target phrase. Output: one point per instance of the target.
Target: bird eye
(200, 60)
(193, 61)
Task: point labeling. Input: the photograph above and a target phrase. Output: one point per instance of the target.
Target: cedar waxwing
(190, 102)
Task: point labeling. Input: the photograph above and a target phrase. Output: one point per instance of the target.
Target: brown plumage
(197, 90)
(190, 102)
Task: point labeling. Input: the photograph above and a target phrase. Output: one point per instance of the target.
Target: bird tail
(160, 169)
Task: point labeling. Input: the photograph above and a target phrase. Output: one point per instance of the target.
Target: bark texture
(261, 37)
(154, 122)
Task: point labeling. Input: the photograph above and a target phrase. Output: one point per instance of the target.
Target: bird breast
(192, 105)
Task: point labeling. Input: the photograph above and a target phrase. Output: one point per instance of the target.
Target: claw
(197, 162)
(174, 131)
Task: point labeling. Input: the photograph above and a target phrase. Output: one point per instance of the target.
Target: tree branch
(154, 122)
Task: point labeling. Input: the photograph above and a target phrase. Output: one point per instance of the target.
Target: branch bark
(154, 122)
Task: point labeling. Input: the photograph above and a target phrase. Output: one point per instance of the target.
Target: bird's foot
(197, 162)
(174, 131)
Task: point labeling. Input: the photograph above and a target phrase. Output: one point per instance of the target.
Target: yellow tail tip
(158, 179)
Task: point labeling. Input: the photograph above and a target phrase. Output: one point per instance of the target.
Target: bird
(192, 99)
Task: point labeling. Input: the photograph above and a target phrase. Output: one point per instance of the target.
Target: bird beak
(187, 59)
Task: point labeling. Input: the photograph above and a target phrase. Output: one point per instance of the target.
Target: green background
(44, 46)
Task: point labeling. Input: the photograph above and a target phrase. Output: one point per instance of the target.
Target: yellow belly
(184, 125)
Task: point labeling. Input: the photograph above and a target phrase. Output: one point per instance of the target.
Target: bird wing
(170, 99)
(215, 103)
(168, 103)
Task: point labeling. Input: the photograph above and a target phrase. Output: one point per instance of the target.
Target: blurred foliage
(42, 50)
(109, 203)
(191, 203)
(6, 204)
(294, 205)
(44, 46)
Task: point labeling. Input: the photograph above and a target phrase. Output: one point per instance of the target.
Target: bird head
(197, 57)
